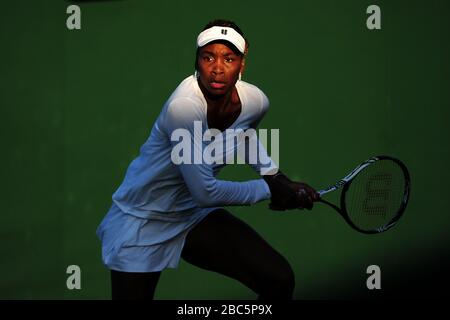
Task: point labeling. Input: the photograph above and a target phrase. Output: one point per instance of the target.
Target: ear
(243, 59)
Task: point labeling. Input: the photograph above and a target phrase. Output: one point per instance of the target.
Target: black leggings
(225, 244)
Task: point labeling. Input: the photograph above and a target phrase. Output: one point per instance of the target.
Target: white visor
(221, 33)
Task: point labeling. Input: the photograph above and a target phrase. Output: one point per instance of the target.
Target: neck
(218, 102)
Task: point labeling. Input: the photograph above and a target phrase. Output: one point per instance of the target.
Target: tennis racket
(374, 195)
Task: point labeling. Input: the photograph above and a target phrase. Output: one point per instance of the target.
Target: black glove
(288, 194)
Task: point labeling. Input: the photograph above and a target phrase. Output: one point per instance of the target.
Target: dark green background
(77, 105)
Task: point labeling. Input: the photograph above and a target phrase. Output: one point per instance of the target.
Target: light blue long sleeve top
(156, 181)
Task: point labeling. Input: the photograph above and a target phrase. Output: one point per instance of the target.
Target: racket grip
(322, 192)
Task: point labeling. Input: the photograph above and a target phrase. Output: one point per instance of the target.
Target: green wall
(75, 106)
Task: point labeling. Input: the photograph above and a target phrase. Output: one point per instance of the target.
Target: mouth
(217, 85)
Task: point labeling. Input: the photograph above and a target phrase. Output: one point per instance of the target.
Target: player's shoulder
(185, 98)
(254, 93)
(180, 112)
(183, 107)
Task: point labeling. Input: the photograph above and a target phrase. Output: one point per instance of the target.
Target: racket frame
(346, 182)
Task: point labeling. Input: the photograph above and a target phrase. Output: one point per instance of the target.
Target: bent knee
(278, 284)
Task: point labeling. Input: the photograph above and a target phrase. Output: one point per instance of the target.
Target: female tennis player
(165, 210)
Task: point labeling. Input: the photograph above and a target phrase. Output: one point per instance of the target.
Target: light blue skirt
(132, 244)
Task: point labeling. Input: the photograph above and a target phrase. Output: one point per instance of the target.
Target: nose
(217, 67)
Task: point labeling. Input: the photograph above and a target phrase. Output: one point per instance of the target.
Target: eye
(229, 60)
(208, 58)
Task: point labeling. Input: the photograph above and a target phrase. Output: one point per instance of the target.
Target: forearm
(207, 191)
(228, 193)
(256, 156)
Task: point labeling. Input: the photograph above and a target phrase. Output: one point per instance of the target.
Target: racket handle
(322, 192)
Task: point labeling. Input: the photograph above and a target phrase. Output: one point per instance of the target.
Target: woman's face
(218, 68)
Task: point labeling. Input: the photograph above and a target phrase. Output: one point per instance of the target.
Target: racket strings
(374, 191)
(375, 195)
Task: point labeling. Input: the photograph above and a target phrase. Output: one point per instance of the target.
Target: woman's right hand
(288, 194)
